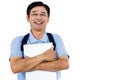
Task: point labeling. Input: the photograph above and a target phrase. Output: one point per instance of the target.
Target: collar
(32, 39)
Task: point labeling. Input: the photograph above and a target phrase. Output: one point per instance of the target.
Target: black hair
(35, 4)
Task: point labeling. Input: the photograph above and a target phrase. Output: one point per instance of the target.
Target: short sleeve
(15, 47)
(60, 48)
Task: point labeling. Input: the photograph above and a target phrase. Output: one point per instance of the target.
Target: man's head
(38, 15)
(36, 4)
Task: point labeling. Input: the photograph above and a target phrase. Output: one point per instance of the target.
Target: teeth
(39, 22)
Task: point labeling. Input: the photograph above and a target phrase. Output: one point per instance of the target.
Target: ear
(27, 17)
(48, 19)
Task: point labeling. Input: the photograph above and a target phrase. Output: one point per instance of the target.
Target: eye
(34, 14)
(42, 14)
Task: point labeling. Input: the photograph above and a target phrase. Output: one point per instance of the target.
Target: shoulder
(17, 39)
(56, 36)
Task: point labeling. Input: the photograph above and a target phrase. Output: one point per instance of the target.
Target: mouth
(38, 22)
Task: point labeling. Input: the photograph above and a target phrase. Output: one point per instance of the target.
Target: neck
(38, 34)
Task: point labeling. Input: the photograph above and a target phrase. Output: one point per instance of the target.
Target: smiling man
(54, 59)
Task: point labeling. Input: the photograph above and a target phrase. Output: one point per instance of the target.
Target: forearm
(52, 66)
(26, 64)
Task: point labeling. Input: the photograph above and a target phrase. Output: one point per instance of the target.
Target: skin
(47, 61)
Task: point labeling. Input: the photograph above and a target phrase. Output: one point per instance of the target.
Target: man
(38, 16)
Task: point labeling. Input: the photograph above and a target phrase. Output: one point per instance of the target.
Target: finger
(26, 57)
(52, 47)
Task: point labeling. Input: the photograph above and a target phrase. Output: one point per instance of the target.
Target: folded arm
(26, 64)
(22, 65)
(60, 64)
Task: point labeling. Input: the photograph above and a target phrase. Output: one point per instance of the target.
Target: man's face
(38, 18)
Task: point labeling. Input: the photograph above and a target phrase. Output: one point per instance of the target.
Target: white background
(90, 30)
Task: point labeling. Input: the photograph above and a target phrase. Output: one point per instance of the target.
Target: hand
(26, 57)
(50, 55)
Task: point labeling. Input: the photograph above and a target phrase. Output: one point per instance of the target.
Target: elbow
(14, 72)
(14, 69)
(66, 66)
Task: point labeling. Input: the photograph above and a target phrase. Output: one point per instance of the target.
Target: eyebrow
(43, 12)
(36, 11)
(33, 11)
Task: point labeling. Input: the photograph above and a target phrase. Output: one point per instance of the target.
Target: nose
(38, 16)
